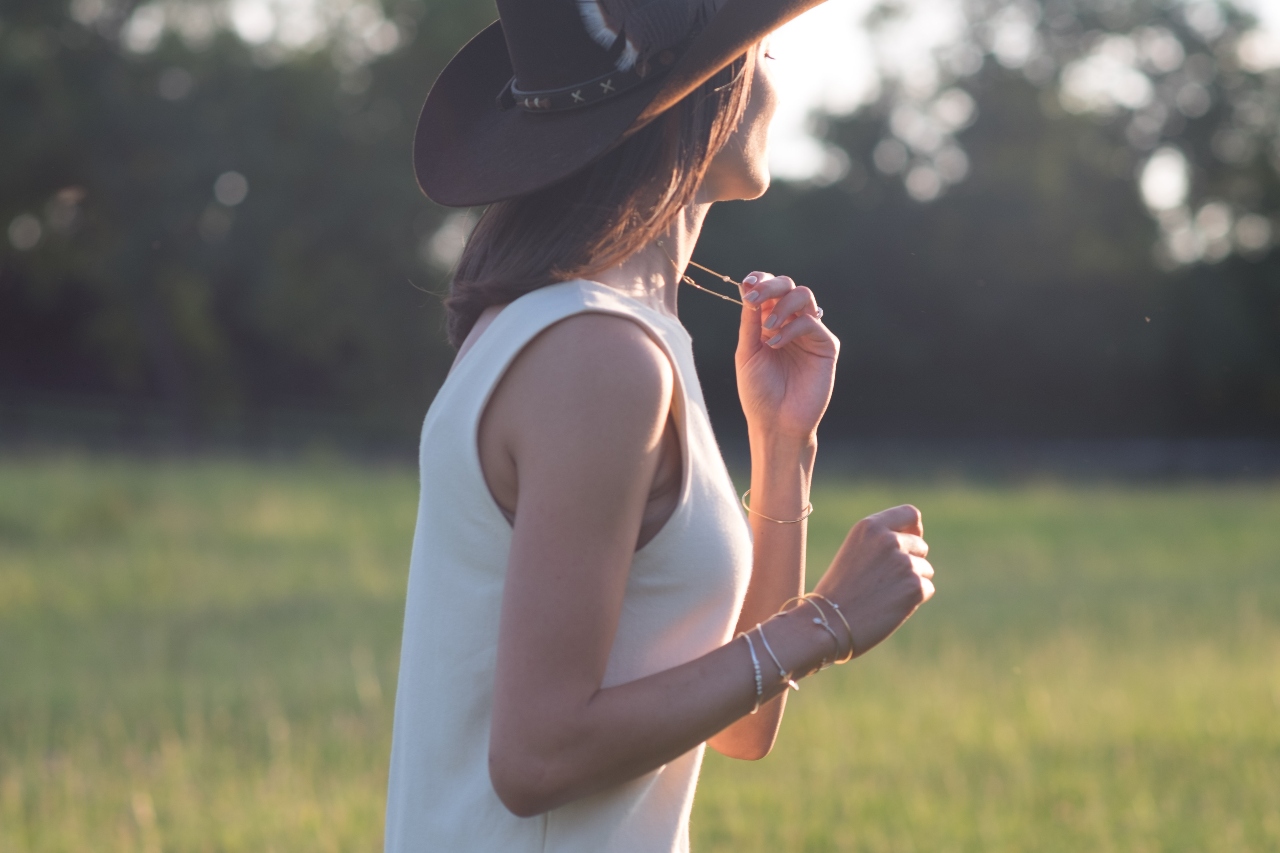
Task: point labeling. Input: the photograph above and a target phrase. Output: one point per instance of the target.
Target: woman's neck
(652, 275)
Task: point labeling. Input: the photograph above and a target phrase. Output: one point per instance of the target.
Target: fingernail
(753, 297)
(772, 322)
(774, 340)
(749, 280)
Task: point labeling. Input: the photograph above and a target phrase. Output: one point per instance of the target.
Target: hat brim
(468, 150)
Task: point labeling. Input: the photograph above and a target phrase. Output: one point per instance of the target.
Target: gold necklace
(689, 281)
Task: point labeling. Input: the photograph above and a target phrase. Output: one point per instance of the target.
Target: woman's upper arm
(581, 412)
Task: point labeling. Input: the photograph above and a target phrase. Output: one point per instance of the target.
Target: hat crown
(557, 43)
(535, 97)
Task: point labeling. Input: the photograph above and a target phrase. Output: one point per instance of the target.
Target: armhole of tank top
(679, 413)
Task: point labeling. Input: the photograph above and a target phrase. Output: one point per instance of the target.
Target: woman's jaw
(740, 170)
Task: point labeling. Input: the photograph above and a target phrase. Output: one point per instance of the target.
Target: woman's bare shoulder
(599, 348)
(601, 369)
(583, 406)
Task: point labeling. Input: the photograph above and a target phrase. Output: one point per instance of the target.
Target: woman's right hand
(880, 575)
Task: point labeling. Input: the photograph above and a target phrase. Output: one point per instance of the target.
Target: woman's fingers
(805, 324)
(902, 519)
(797, 301)
(913, 545)
(922, 567)
(749, 326)
(764, 288)
(926, 590)
(782, 302)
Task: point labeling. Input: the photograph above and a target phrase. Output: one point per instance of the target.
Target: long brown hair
(600, 216)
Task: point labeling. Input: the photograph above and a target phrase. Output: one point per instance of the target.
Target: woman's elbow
(742, 747)
(522, 784)
(747, 752)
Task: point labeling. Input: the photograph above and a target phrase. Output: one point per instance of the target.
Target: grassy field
(201, 656)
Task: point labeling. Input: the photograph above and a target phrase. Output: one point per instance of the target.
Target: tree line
(222, 234)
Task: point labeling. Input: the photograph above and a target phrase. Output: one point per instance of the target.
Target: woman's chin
(758, 187)
(743, 188)
(749, 187)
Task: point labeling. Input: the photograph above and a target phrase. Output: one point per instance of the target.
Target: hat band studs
(570, 97)
(589, 92)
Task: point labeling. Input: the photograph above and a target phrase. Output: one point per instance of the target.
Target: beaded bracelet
(812, 599)
(782, 673)
(755, 665)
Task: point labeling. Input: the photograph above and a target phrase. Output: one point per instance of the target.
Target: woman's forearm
(781, 474)
(620, 733)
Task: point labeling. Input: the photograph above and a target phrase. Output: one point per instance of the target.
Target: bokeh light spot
(1106, 79)
(1164, 180)
(230, 188)
(952, 164)
(253, 20)
(890, 156)
(1258, 51)
(1253, 233)
(924, 183)
(25, 232)
(1193, 100)
(1160, 49)
(144, 29)
(955, 108)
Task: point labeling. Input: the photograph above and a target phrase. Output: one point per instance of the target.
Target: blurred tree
(223, 226)
(1182, 95)
(1065, 228)
(1015, 304)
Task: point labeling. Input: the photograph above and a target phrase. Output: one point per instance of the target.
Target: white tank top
(683, 595)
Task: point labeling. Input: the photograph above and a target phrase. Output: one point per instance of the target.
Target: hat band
(601, 88)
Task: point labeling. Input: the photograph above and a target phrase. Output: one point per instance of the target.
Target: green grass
(201, 656)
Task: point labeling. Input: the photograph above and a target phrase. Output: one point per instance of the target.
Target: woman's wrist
(781, 472)
(780, 459)
(801, 645)
(769, 444)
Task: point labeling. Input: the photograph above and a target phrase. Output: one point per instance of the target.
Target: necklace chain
(689, 281)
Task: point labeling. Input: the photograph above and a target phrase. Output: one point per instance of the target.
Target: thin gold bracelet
(840, 613)
(821, 621)
(805, 513)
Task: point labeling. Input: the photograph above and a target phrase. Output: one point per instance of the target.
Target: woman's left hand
(786, 358)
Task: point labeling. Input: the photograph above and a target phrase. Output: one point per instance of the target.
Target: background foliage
(1019, 287)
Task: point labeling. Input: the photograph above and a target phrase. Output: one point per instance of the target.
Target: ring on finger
(818, 314)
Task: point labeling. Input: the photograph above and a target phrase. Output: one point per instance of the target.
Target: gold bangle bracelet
(840, 613)
(821, 621)
(804, 513)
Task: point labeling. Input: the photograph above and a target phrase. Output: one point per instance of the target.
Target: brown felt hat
(554, 84)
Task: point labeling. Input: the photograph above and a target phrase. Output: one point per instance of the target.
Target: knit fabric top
(684, 591)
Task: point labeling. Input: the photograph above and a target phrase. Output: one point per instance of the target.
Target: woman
(588, 605)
